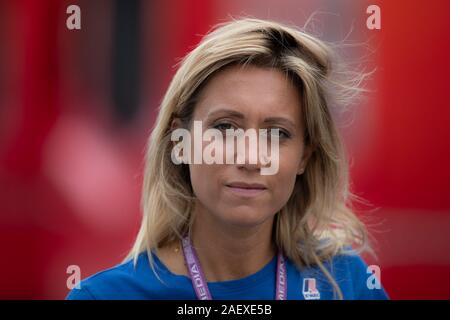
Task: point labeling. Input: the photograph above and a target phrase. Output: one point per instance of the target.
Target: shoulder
(355, 277)
(112, 283)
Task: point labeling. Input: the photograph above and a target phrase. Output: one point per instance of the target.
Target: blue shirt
(125, 281)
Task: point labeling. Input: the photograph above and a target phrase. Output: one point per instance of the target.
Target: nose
(247, 155)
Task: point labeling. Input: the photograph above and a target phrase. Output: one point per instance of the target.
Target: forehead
(253, 91)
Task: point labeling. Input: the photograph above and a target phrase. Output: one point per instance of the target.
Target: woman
(225, 230)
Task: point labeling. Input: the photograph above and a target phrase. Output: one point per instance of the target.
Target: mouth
(244, 189)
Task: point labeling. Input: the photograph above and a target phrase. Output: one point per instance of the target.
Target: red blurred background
(76, 107)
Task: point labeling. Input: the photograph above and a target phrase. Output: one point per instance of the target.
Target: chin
(244, 217)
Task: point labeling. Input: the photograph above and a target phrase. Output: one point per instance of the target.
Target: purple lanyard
(199, 281)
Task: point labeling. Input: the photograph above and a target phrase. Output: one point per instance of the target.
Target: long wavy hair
(318, 221)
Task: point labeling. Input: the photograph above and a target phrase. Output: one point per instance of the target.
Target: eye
(281, 133)
(223, 126)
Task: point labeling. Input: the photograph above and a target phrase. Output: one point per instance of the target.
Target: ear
(307, 152)
(176, 123)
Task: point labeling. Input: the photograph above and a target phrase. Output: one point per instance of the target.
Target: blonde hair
(317, 222)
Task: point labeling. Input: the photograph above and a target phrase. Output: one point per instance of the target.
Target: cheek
(284, 186)
(284, 180)
(204, 182)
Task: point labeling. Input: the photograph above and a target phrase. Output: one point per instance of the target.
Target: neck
(228, 252)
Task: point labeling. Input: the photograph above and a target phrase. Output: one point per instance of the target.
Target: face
(257, 98)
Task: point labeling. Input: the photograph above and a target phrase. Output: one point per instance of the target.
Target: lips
(244, 185)
(246, 190)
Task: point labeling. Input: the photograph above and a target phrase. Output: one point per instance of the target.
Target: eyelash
(287, 135)
(221, 124)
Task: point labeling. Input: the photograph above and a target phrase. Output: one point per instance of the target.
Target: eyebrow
(239, 115)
